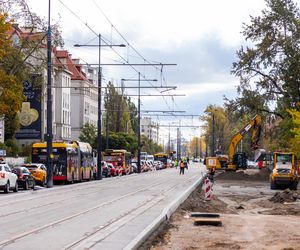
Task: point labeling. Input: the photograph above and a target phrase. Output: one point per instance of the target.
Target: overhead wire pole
(106, 133)
(139, 125)
(99, 124)
(139, 115)
(49, 105)
(99, 137)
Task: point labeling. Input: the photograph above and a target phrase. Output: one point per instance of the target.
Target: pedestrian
(188, 160)
(186, 164)
(181, 167)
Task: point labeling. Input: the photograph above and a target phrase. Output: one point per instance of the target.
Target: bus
(72, 161)
(143, 156)
(120, 158)
(161, 157)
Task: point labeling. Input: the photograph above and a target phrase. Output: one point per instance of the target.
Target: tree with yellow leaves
(11, 85)
(295, 140)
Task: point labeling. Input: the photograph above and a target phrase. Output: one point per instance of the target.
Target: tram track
(62, 201)
(67, 218)
(82, 244)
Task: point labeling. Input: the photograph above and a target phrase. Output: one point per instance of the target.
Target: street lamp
(99, 138)
(139, 116)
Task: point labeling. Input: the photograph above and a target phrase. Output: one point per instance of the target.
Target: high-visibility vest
(181, 164)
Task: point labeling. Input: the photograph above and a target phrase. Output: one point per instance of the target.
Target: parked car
(134, 167)
(113, 171)
(8, 180)
(39, 172)
(25, 178)
(105, 169)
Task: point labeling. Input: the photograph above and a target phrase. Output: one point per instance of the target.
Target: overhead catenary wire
(107, 43)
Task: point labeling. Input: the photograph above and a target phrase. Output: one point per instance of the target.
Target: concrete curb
(164, 216)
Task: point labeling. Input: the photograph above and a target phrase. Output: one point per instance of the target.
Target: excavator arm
(255, 125)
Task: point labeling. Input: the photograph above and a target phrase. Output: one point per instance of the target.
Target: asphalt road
(107, 214)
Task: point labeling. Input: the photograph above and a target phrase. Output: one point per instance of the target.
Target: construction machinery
(236, 160)
(285, 170)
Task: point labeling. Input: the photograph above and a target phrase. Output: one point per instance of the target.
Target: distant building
(150, 129)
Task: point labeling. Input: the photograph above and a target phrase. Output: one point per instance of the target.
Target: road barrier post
(208, 189)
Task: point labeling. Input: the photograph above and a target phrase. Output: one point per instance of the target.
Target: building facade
(84, 95)
(150, 129)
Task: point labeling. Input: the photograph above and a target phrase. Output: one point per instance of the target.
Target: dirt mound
(246, 175)
(197, 203)
(285, 196)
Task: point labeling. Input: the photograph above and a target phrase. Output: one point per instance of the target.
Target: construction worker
(181, 167)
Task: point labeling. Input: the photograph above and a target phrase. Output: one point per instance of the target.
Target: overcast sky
(201, 37)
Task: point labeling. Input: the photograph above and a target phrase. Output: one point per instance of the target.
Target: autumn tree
(10, 84)
(26, 33)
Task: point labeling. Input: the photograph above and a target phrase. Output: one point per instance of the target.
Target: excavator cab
(240, 160)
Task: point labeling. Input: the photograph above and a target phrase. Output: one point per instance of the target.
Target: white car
(8, 180)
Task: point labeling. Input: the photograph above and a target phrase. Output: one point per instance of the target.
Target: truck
(285, 170)
(237, 160)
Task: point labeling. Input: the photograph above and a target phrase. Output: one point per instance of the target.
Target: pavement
(115, 213)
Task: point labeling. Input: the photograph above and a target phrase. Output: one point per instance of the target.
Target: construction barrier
(207, 189)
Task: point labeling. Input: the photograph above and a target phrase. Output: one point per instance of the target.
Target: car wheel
(16, 189)
(44, 182)
(26, 185)
(6, 188)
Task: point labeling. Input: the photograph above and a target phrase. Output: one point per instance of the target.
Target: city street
(113, 213)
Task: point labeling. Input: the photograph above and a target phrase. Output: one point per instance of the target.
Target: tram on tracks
(72, 161)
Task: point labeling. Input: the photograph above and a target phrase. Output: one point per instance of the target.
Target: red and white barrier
(207, 189)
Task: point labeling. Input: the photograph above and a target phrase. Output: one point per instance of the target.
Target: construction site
(249, 216)
(239, 206)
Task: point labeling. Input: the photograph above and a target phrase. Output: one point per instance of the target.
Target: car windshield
(32, 167)
(284, 158)
(16, 170)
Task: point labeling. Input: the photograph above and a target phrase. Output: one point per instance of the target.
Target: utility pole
(213, 136)
(139, 125)
(99, 125)
(49, 105)
(106, 133)
(169, 142)
(178, 146)
(196, 147)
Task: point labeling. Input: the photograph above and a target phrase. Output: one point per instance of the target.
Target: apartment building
(150, 129)
(84, 95)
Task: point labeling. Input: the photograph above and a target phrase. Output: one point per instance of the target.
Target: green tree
(269, 67)
(121, 111)
(89, 134)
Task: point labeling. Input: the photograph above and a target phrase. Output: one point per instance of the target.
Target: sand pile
(284, 196)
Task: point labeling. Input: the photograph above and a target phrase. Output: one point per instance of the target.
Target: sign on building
(30, 114)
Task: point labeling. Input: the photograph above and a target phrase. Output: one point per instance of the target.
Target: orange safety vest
(181, 164)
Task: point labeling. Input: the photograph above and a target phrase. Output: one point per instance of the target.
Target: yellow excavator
(235, 160)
